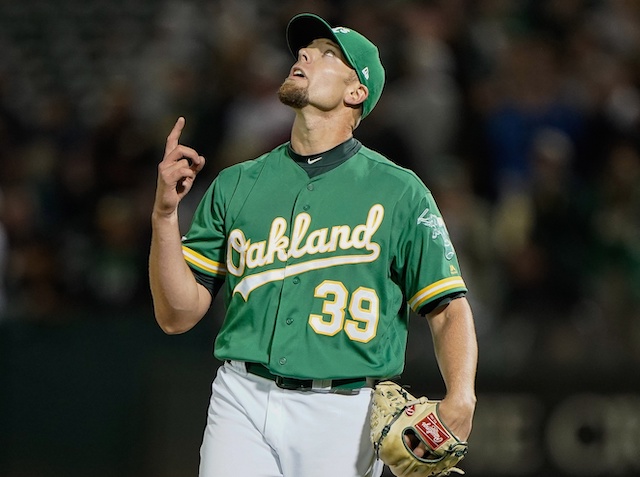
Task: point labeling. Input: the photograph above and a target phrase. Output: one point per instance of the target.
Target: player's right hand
(176, 172)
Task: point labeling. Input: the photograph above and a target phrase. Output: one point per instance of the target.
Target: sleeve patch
(438, 229)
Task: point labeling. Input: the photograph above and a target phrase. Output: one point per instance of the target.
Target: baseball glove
(395, 414)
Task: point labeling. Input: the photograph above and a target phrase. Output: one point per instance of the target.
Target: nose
(304, 55)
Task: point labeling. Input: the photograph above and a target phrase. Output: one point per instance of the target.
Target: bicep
(204, 300)
(456, 312)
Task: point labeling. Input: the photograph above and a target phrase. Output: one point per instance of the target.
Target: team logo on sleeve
(438, 229)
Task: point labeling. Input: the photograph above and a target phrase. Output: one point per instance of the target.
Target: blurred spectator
(248, 134)
(615, 227)
(425, 100)
(117, 277)
(530, 100)
(120, 148)
(548, 264)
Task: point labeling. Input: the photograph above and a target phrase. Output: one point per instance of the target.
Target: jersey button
(282, 361)
(295, 280)
(289, 321)
(306, 207)
(309, 186)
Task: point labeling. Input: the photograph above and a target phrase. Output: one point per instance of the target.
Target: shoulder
(380, 165)
(250, 168)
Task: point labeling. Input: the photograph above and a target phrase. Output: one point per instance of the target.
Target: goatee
(292, 95)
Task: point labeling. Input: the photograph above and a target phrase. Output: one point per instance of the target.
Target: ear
(356, 94)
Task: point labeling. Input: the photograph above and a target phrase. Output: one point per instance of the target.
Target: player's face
(320, 77)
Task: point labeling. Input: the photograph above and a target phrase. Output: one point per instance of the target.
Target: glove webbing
(396, 415)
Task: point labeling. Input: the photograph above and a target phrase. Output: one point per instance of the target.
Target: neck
(313, 135)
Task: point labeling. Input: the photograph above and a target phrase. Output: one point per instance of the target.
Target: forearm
(178, 300)
(456, 349)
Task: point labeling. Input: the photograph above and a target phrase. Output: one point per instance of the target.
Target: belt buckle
(284, 383)
(279, 382)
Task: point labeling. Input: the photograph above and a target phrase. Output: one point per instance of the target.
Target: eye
(330, 52)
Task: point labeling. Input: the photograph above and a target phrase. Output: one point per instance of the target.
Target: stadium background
(523, 117)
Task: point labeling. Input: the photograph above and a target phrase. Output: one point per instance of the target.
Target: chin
(292, 94)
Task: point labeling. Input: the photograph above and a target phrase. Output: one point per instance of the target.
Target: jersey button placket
(284, 337)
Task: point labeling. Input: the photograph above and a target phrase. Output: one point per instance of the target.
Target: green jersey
(320, 269)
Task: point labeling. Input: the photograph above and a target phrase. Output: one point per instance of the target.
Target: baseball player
(321, 247)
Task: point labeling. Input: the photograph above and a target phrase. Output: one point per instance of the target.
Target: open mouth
(297, 73)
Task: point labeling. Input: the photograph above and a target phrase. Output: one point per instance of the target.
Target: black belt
(337, 386)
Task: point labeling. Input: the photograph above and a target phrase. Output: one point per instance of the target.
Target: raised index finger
(174, 135)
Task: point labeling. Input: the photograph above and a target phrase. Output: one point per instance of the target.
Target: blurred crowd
(522, 117)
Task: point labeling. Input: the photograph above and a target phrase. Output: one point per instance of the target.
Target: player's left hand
(457, 414)
(410, 436)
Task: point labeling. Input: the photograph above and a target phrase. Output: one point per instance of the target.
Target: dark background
(522, 117)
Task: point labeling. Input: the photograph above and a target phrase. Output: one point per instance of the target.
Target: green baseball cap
(362, 55)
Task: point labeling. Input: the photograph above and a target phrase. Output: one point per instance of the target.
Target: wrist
(158, 216)
(462, 399)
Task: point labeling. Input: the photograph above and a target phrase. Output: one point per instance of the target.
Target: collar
(315, 164)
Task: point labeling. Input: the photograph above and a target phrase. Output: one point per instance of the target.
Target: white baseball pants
(256, 429)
